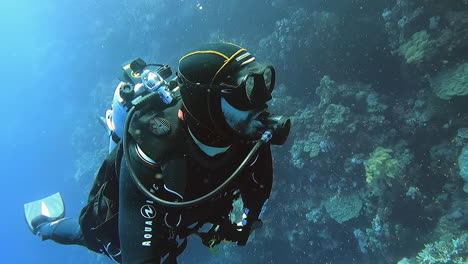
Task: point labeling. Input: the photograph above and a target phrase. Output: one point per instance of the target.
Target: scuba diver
(187, 156)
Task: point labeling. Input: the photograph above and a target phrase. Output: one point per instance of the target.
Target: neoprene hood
(200, 71)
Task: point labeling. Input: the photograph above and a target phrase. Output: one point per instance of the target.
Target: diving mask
(253, 91)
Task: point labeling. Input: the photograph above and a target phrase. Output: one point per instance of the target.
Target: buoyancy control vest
(159, 135)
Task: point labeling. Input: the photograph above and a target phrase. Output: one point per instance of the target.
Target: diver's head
(225, 91)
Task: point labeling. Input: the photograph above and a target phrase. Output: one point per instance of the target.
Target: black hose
(265, 138)
(155, 64)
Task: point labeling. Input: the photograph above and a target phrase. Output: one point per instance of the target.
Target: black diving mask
(253, 91)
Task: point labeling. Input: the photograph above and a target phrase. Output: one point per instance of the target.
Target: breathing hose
(266, 137)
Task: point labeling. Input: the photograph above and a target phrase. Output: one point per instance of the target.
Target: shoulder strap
(159, 132)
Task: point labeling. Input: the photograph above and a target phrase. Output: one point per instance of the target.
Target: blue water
(54, 56)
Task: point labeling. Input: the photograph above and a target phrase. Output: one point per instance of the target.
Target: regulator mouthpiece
(280, 127)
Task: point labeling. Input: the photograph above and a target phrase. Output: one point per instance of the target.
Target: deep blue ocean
(55, 56)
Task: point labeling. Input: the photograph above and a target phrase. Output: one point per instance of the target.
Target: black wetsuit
(65, 231)
(183, 172)
(189, 173)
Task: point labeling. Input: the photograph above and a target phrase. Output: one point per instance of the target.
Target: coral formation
(385, 168)
(343, 207)
(463, 165)
(462, 136)
(301, 30)
(381, 164)
(440, 252)
(311, 146)
(333, 116)
(418, 49)
(451, 83)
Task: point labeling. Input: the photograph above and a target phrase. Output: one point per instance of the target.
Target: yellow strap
(233, 44)
(226, 63)
(204, 52)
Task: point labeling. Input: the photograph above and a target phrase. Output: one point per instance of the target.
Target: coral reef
(384, 168)
(301, 30)
(420, 48)
(310, 146)
(451, 83)
(381, 164)
(375, 165)
(453, 251)
(333, 116)
(463, 165)
(343, 207)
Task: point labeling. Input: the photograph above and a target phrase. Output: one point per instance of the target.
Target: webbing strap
(174, 251)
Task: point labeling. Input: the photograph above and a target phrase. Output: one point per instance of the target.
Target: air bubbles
(199, 6)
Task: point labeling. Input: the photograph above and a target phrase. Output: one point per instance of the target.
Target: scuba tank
(137, 81)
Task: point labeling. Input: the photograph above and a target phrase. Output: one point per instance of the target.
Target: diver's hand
(247, 229)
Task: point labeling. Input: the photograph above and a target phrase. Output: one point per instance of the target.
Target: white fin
(45, 209)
